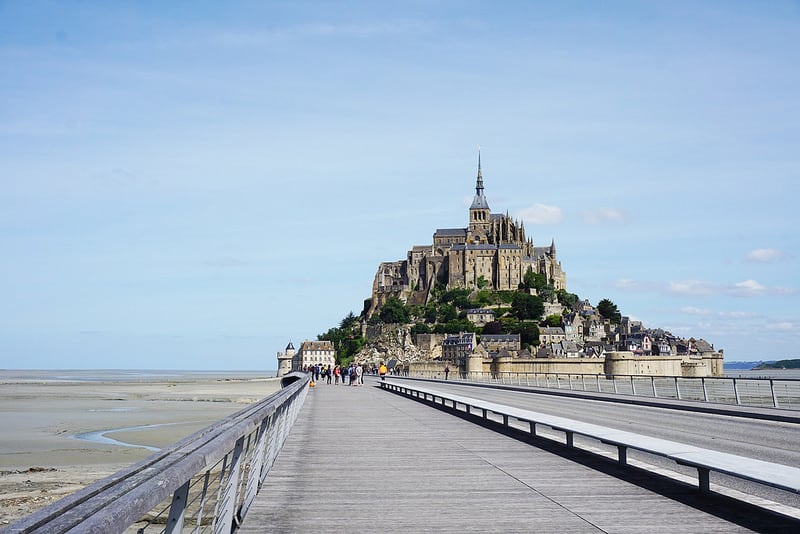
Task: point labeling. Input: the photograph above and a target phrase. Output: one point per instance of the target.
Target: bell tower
(479, 210)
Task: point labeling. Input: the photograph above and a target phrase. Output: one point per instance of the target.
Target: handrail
(759, 392)
(212, 476)
(704, 460)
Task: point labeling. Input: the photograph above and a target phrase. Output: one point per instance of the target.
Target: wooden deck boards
(364, 460)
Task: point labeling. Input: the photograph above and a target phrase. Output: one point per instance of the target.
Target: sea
(782, 374)
(125, 375)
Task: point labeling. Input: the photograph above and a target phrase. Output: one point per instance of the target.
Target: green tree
(528, 333)
(493, 327)
(527, 306)
(506, 297)
(394, 311)
(553, 320)
(446, 312)
(482, 282)
(533, 280)
(349, 321)
(547, 293)
(608, 310)
(483, 298)
(566, 299)
(430, 313)
(454, 327)
(420, 328)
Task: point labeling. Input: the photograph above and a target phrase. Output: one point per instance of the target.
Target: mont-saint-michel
(485, 300)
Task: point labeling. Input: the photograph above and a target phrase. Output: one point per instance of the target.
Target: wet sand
(41, 460)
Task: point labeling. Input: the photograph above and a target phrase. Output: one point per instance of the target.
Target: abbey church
(492, 252)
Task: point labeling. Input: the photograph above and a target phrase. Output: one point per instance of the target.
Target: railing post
(527, 380)
(736, 392)
(597, 379)
(583, 381)
(705, 391)
(653, 383)
(774, 396)
(677, 389)
(533, 428)
(203, 497)
(228, 498)
(547, 380)
(633, 386)
(703, 480)
(570, 381)
(256, 462)
(622, 454)
(537, 379)
(614, 381)
(177, 510)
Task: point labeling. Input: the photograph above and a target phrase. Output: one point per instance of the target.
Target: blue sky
(190, 185)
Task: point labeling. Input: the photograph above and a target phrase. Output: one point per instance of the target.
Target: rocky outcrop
(390, 342)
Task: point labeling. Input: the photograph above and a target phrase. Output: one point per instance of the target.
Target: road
(771, 441)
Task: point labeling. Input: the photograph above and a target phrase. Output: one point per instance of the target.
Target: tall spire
(479, 202)
(479, 185)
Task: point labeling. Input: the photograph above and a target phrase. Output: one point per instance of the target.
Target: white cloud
(541, 214)
(603, 215)
(629, 284)
(745, 288)
(748, 287)
(692, 287)
(691, 310)
(784, 326)
(765, 255)
(738, 315)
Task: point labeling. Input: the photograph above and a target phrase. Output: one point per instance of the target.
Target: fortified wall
(614, 363)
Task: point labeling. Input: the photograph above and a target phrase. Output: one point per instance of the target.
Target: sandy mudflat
(40, 458)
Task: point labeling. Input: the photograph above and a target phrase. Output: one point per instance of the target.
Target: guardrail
(208, 479)
(778, 476)
(760, 392)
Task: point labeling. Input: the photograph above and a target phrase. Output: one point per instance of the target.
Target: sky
(192, 185)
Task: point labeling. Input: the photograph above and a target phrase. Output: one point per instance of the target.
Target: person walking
(382, 370)
(336, 373)
(446, 371)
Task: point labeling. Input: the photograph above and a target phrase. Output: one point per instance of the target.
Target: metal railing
(203, 483)
(779, 476)
(761, 392)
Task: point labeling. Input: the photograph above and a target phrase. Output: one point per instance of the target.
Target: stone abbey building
(492, 251)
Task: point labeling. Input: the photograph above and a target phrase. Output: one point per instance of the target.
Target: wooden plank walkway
(363, 460)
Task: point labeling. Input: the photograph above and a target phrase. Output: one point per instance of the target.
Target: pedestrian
(336, 373)
(382, 371)
(446, 371)
(360, 374)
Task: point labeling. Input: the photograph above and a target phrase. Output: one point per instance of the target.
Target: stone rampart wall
(615, 363)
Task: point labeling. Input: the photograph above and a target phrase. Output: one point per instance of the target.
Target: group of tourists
(352, 375)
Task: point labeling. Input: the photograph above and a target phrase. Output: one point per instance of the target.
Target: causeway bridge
(416, 455)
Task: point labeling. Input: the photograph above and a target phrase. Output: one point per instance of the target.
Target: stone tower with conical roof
(285, 360)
